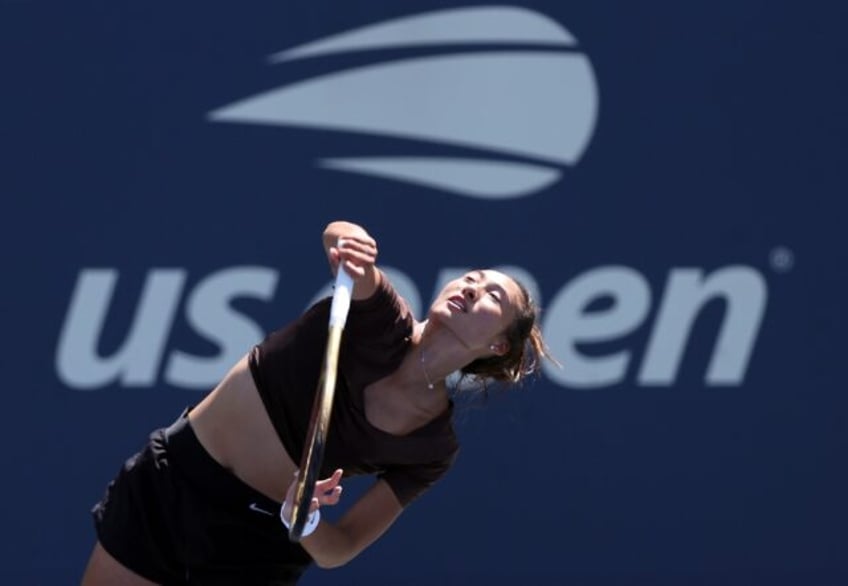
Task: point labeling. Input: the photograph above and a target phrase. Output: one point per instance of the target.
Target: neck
(430, 383)
(439, 353)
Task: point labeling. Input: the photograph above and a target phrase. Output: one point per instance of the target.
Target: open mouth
(457, 302)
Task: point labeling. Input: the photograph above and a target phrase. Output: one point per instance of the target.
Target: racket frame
(322, 407)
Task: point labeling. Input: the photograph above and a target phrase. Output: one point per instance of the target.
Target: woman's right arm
(352, 246)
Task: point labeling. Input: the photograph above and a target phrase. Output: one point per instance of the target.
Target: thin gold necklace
(424, 368)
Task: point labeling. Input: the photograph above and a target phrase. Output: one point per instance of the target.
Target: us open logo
(508, 90)
(514, 91)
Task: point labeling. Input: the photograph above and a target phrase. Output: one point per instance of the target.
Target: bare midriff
(232, 424)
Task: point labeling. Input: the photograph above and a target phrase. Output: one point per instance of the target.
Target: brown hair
(526, 351)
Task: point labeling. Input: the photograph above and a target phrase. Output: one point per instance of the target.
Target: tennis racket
(322, 407)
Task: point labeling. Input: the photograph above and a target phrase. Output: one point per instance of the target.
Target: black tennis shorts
(176, 516)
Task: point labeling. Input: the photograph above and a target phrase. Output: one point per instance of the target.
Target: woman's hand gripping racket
(316, 436)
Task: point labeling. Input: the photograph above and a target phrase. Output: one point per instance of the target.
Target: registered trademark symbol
(781, 259)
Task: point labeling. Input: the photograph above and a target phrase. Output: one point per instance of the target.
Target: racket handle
(341, 298)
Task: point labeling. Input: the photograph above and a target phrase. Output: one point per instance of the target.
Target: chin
(438, 315)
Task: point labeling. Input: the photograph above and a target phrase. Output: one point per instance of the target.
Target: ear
(499, 346)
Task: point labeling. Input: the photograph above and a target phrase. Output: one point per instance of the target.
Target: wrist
(311, 521)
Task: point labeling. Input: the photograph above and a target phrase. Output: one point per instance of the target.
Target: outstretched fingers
(328, 491)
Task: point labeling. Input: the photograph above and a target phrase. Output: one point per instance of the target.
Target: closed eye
(475, 276)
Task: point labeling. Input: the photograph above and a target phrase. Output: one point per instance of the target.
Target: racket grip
(341, 298)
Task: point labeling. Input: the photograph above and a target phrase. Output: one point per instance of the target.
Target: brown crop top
(286, 367)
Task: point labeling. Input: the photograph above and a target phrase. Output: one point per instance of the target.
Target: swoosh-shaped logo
(256, 508)
(529, 110)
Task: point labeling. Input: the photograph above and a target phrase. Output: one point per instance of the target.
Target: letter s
(209, 313)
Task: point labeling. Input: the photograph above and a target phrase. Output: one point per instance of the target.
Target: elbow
(329, 565)
(331, 553)
(330, 562)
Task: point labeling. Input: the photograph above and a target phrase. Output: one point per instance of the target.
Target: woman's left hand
(327, 492)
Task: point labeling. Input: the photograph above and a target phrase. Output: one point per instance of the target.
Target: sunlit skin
(477, 308)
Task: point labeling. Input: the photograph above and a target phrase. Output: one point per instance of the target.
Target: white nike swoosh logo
(258, 509)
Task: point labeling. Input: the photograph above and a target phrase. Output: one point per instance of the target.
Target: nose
(469, 291)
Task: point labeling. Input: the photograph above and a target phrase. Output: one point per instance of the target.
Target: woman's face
(478, 307)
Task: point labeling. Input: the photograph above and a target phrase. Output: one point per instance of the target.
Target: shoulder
(384, 303)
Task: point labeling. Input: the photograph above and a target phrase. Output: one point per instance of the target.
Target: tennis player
(208, 499)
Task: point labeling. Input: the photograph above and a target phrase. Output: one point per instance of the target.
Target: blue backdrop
(668, 177)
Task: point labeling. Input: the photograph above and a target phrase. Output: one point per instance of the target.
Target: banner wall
(667, 178)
